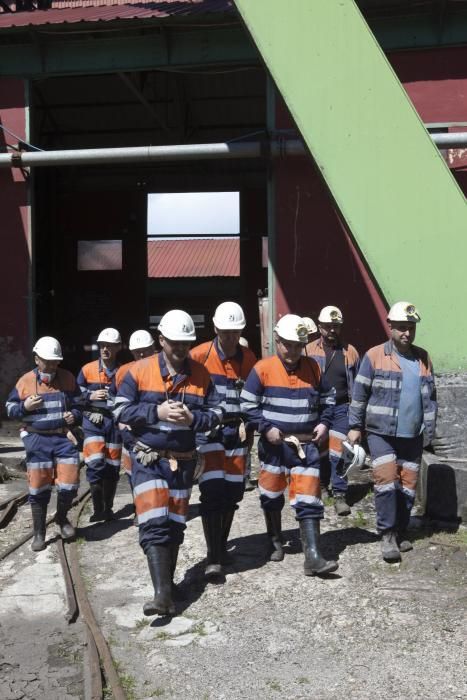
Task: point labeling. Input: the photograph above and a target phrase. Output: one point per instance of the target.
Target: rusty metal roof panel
(194, 258)
(73, 11)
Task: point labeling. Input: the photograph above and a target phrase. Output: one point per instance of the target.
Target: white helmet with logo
(404, 311)
(354, 458)
(140, 339)
(330, 314)
(48, 348)
(109, 335)
(229, 316)
(292, 327)
(177, 325)
(310, 324)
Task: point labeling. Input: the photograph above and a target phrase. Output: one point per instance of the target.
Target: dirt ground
(372, 630)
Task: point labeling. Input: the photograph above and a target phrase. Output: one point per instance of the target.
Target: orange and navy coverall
(161, 492)
(294, 401)
(102, 443)
(51, 458)
(331, 450)
(222, 482)
(375, 408)
(126, 435)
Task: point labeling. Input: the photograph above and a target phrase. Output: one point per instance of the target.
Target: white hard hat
(291, 327)
(140, 339)
(354, 458)
(404, 311)
(48, 348)
(177, 325)
(229, 316)
(310, 324)
(109, 335)
(330, 314)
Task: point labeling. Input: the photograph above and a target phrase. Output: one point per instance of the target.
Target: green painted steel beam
(390, 183)
(93, 54)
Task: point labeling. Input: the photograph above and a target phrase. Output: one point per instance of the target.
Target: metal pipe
(199, 151)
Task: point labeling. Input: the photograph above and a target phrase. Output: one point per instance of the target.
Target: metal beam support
(59, 54)
(141, 98)
(395, 192)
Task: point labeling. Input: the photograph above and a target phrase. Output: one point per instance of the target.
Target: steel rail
(89, 618)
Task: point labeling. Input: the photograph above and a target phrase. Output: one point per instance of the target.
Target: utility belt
(52, 431)
(234, 421)
(304, 438)
(148, 456)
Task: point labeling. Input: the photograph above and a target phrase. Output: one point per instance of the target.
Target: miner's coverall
(294, 402)
(222, 482)
(332, 451)
(375, 408)
(102, 442)
(162, 489)
(51, 458)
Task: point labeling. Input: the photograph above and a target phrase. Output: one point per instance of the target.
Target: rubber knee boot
(178, 593)
(67, 530)
(160, 567)
(315, 564)
(212, 525)
(109, 488)
(389, 548)
(274, 528)
(227, 520)
(39, 516)
(97, 496)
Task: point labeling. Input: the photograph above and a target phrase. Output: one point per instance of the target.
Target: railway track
(100, 671)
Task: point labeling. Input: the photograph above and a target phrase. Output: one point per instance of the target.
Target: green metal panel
(391, 184)
(93, 54)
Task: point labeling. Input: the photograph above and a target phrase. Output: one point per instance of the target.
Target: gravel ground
(372, 630)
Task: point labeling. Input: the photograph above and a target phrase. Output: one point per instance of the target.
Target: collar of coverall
(180, 376)
(109, 372)
(340, 345)
(389, 348)
(238, 355)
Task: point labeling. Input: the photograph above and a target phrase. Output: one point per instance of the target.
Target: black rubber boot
(227, 520)
(160, 567)
(97, 496)
(67, 530)
(178, 592)
(389, 548)
(274, 527)
(315, 564)
(39, 516)
(212, 525)
(109, 488)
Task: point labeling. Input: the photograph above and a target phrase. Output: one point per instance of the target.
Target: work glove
(94, 417)
(145, 454)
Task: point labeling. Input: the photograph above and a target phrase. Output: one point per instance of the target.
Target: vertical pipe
(271, 200)
(31, 296)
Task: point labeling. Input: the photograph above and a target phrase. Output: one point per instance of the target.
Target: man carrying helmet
(48, 401)
(166, 399)
(141, 345)
(222, 481)
(339, 362)
(102, 444)
(285, 399)
(394, 400)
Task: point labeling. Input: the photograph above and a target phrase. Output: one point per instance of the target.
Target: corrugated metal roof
(72, 11)
(194, 258)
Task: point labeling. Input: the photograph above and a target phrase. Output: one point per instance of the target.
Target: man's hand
(319, 433)
(354, 436)
(175, 412)
(32, 403)
(274, 436)
(99, 395)
(68, 417)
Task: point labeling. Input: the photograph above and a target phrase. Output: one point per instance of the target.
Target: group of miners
(190, 413)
